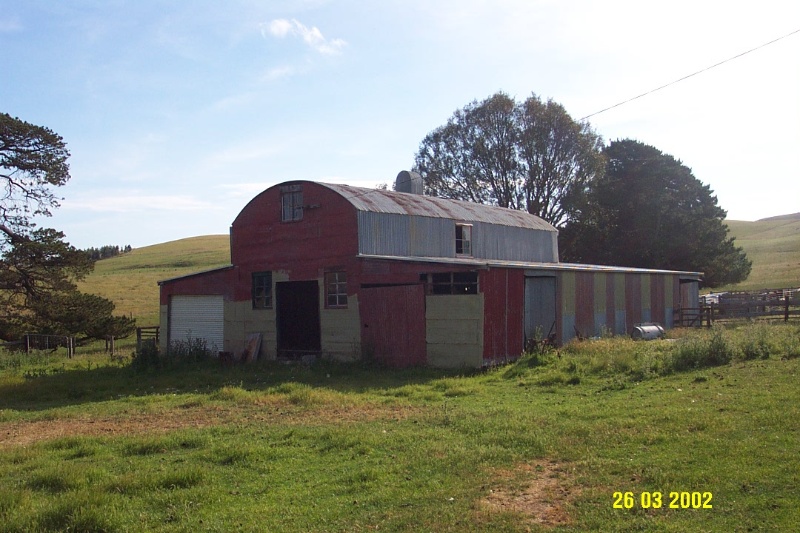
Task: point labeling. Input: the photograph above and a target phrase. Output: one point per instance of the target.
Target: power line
(690, 75)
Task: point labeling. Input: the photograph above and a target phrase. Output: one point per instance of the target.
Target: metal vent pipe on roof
(410, 182)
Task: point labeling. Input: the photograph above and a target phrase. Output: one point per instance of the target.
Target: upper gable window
(463, 239)
(291, 203)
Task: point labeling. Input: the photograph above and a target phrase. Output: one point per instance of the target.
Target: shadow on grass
(54, 387)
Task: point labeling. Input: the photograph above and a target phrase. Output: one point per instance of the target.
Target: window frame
(291, 203)
(463, 240)
(267, 298)
(463, 282)
(336, 289)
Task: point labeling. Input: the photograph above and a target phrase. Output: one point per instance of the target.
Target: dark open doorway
(297, 305)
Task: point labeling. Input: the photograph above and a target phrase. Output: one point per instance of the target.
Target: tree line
(625, 203)
(104, 252)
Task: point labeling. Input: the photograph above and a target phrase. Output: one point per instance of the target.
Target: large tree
(648, 210)
(38, 268)
(530, 155)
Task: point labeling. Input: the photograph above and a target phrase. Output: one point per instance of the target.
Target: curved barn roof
(383, 201)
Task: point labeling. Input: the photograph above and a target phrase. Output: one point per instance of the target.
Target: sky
(177, 113)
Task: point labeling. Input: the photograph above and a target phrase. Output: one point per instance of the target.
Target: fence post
(786, 307)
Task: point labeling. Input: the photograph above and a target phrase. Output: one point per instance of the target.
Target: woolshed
(348, 273)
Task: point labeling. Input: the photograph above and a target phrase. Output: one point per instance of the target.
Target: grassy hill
(130, 280)
(773, 244)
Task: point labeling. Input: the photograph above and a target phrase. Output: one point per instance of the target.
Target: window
(291, 203)
(463, 239)
(262, 290)
(335, 289)
(454, 283)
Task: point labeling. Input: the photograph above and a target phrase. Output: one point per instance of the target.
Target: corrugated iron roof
(566, 267)
(383, 201)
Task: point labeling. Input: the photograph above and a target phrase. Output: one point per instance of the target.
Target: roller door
(197, 317)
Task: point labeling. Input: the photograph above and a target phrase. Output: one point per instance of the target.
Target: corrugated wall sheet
(591, 302)
(417, 236)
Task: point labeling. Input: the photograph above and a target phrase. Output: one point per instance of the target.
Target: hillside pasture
(773, 244)
(131, 280)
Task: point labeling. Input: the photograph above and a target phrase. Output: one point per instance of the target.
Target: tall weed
(756, 343)
(703, 350)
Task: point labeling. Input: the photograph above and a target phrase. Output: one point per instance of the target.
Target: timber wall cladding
(504, 303)
(393, 324)
(454, 330)
(340, 330)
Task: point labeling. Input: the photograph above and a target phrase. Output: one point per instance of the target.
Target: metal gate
(197, 317)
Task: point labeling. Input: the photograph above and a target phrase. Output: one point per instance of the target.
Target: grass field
(92, 444)
(773, 244)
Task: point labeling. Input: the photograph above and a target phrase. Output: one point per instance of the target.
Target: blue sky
(177, 113)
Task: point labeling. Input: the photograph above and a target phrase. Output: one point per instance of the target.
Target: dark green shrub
(146, 356)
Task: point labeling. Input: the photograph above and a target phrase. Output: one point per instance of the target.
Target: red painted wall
(657, 298)
(503, 323)
(633, 300)
(205, 283)
(325, 238)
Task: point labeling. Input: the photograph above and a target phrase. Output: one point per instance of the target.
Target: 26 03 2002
(657, 500)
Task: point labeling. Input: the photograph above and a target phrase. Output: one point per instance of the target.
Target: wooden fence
(35, 341)
(148, 334)
(768, 304)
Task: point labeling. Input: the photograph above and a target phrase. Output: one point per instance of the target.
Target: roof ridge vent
(410, 182)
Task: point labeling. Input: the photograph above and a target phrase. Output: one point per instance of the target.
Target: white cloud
(312, 36)
(135, 201)
(278, 73)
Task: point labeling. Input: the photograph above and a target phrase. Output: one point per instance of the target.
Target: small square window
(463, 239)
(335, 289)
(262, 290)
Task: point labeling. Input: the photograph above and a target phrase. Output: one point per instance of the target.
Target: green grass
(773, 244)
(331, 447)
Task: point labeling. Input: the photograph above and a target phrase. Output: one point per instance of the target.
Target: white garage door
(196, 317)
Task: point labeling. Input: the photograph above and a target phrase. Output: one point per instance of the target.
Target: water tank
(648, 331)
(408, 182)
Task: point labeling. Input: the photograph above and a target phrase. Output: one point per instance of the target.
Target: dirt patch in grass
(540, 492)
(25, 433)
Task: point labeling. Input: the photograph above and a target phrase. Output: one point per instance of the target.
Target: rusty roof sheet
(565, 267)
(383, 201)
